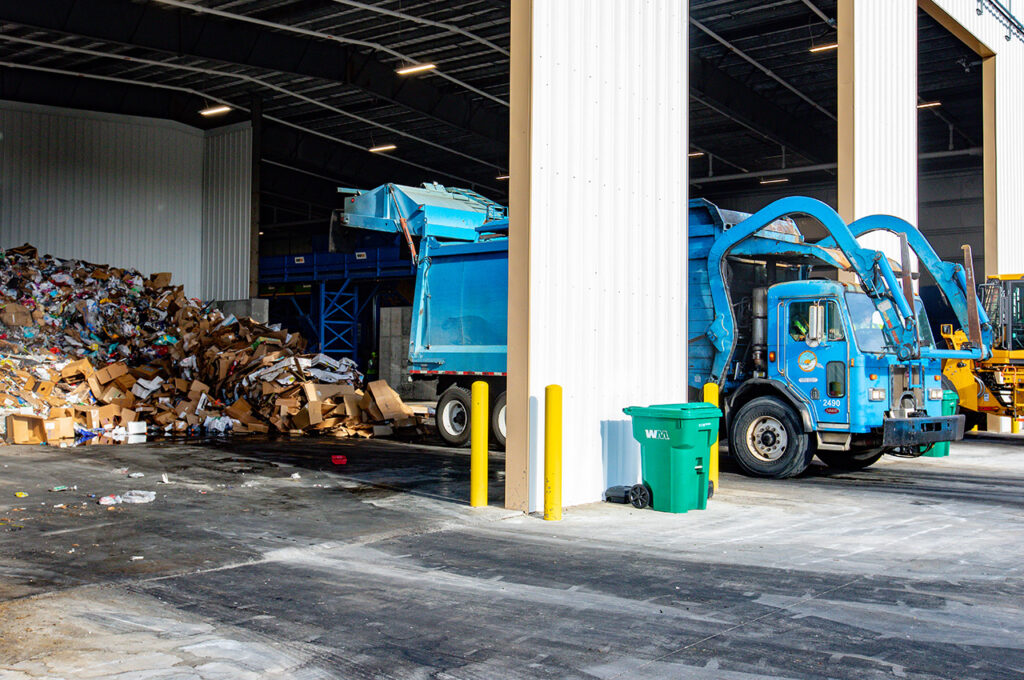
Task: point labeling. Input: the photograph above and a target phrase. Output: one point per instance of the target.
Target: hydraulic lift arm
(877, 278)
(954, 280)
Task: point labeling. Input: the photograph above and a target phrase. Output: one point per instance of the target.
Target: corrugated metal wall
(227, 167)
(878, 107)
(1009, 96)
(608, 247)
(108, 189)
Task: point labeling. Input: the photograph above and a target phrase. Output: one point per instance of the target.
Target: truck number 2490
(830, 402)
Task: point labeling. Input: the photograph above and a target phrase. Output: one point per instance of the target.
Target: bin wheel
(639, 496)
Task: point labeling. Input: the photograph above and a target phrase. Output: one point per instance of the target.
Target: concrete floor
(377, 569)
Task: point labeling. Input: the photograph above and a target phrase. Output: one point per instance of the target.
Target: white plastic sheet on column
(608, 215)
(884, 113)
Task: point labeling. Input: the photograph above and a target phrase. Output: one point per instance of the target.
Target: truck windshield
(867, 323)
(924, 325)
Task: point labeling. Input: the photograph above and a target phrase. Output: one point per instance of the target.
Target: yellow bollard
(478, 452)
(1014, 426)
(553, 452)
(711, 397)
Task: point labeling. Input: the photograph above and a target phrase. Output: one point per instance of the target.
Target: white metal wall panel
(109, 189)
(227, 195)
(608, 249)
(1009, 131)
(884, 113)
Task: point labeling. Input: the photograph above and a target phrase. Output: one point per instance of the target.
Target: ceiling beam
(814, 141)
(183, 33)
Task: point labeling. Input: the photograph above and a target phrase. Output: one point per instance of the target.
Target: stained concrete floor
(377, 569)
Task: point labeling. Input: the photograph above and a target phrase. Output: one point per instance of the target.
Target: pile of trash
(92, 352)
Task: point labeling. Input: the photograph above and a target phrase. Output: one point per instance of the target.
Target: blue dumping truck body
(815, 345)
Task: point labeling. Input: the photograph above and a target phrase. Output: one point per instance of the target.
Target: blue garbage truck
(819, 345)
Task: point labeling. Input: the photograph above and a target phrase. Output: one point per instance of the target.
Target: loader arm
(950, 277)
(877, 279)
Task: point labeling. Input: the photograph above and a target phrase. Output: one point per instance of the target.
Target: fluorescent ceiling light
(382, 147)
(929, 105)
(777, 180)
(501, 177)
(695, 154)
(261, 233)
(214, 110)
(415, 68)
(825, 48)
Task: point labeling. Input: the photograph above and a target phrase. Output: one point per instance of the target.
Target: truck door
(816, 357)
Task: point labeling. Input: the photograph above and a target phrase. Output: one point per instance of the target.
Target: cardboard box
(87, 416)
(14, 314)
(311, 415)
(25, 429)
(81, 367)
(111, 372)
(387, 400)
(59, 428)
(43, 389)
(161, 280)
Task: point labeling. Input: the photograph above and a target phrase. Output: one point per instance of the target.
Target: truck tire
(452, 416)
(847, 460)
(498, 422)
(768, 441)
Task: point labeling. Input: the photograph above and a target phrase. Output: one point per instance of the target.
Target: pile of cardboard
(91, 350)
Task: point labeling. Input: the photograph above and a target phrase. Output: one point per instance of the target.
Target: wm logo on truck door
(657, 434)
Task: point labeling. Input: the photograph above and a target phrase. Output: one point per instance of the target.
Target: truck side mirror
(816, 325)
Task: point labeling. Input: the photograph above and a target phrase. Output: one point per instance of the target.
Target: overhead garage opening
(763, 121)
(951, 209)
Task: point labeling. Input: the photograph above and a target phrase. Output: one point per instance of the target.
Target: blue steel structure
(373, 239)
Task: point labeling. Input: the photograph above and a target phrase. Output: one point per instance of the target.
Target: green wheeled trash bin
(674, 445)
(950, 400)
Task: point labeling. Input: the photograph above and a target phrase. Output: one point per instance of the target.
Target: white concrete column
(597, 267)
(878, 112)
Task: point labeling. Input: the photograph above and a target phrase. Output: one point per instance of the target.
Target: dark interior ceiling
(324, 72)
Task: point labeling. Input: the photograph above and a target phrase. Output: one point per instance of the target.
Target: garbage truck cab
(825, 347)
(816, 345)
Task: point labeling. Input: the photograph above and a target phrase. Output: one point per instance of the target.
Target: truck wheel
(768, 441)
(846, 460)
(452, 415)
(498, 421)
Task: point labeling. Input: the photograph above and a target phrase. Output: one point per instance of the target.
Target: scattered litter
(137, 496)
(136, 475)
(121, 471)
(60, 505)
(112, 499)
(339, 460)
(136, 558)
(20, 494)
(164, 479)
(296, 475)
(60, 488)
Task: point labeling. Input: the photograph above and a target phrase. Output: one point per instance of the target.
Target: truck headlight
(935, 394)
(876, 394)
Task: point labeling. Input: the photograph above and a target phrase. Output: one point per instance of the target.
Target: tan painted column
(598, 247)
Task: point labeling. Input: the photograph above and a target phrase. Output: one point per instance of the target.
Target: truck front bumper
(918, 431)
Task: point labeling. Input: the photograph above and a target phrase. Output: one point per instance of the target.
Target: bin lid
(694, 411)
(950, 395)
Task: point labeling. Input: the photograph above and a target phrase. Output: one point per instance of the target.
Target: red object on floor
(339, 460)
